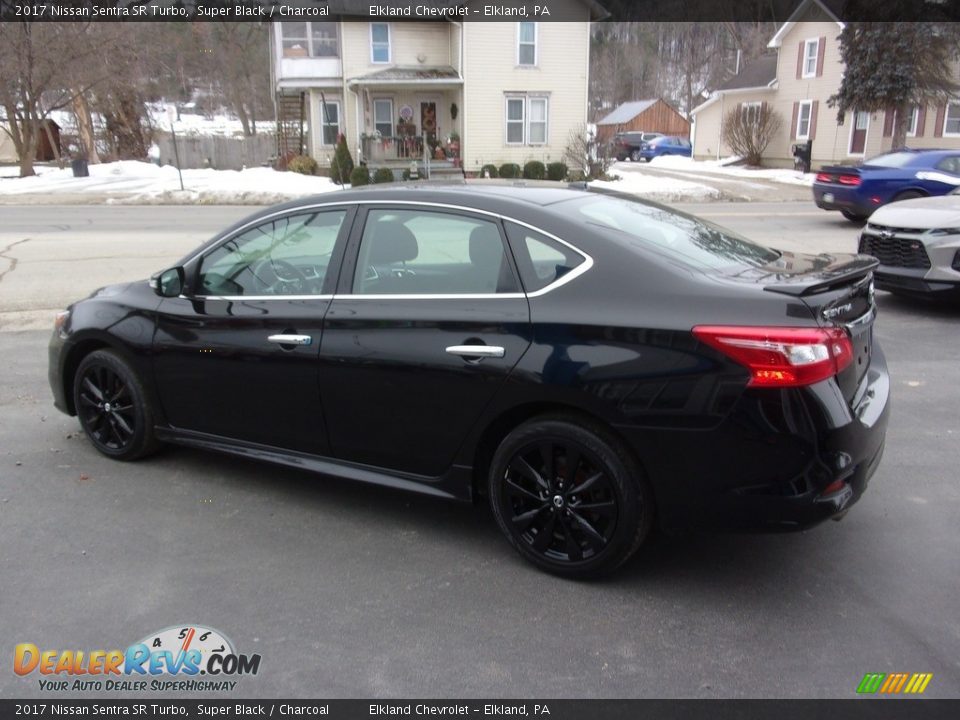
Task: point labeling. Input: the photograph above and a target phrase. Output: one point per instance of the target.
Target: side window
(285, 256)
(541, 260)
(422, 252)
(950, 165)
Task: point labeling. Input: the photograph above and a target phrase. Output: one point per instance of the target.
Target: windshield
(694, 242)
(892, 160)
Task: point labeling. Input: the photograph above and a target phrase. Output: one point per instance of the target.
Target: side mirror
(168, 283)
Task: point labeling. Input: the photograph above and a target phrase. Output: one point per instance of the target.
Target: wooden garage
(654, 115)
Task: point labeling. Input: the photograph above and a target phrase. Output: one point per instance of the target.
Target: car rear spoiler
(829, 278)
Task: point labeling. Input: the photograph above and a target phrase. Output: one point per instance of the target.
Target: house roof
(416, 73)
(758, 73)
(627, 112)
(830, 7)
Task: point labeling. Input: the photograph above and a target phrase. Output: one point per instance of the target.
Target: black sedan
(591, 363)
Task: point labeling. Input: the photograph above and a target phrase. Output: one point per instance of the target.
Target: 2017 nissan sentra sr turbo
(591, 363)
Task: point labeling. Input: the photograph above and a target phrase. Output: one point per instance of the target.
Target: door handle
(477, 351)
(283, 339)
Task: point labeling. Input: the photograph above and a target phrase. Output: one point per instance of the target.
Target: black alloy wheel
(112, 408)
(569, 499)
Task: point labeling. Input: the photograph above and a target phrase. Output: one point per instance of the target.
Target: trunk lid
(838, 289)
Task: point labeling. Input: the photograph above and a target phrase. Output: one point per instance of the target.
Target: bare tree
(748, 130)
(39, 62)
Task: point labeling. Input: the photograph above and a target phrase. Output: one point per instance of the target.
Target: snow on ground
(657, 187)
(723, 167)
(142, 182)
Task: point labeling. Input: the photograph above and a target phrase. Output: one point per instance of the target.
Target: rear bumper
(837, 197)
(782, 460)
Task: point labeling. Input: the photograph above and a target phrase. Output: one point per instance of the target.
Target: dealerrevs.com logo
(178, 658)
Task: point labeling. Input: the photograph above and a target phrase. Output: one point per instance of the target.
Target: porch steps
(291, 115)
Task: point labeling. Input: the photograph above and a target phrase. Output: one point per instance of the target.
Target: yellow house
(801, 72)
(463, 94)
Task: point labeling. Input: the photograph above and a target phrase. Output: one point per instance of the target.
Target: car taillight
(853, 180)
(781, 357)
(824, 177)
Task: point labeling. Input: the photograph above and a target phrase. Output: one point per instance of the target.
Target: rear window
(892, 160)
(693, 242)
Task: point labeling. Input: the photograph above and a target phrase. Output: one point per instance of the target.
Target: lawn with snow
(142, 182)
(657, 187)
(724, 167)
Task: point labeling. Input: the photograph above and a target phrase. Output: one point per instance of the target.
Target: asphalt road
(353, 591)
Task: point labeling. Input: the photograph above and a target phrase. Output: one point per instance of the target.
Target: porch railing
(406, 147)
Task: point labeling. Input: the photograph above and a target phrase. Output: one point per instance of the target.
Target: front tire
(853, 217)
(112, 407)
(635, 156)
(569, 497)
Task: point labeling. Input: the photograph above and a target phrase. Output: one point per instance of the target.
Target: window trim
(800, 105)
(526, 98)
(342, 253)
(309, 42)
(323, 123)
(382, 98)
(373, 59)
(946, 119)
(535, 43)
(815, 43)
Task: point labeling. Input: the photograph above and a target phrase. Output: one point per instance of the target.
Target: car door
(236, 354)
(427, 324)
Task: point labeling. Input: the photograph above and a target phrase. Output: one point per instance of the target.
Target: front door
(428, 120)
(427, 324)
(858, 136)
(236, 355)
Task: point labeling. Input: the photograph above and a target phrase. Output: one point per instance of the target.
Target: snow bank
(142, 182)
(657, 187)
(724, 167)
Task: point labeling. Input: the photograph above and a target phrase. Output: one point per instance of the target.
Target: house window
(309, 39)
(750, 112)
(803, 120)
(330, 122)
(527, 43)
(811, 49)
(527, 120)
(380, 42)
(951, 120)
(383, 116)
(515, 113)
(912, 122)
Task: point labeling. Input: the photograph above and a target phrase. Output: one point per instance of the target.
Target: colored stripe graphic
(871, 682)
(894, 683)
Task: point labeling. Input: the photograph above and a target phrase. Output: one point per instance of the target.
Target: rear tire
(908, 195)
(569, 497)
(113, 408)
(635, 155)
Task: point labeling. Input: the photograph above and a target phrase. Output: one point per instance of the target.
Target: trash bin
(802, 153)
(80, 167)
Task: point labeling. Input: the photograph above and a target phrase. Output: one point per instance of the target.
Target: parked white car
(918, 245)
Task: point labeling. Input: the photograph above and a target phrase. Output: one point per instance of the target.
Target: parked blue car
(857, 191)
(665, 145)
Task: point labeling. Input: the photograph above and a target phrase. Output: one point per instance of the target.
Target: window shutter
(800, 60)
(813, 119)
(793, 123)
(921, 120)
(938, 126)
(821, 46)
(888, 124)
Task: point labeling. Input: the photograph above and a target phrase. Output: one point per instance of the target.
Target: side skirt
(454, 485)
